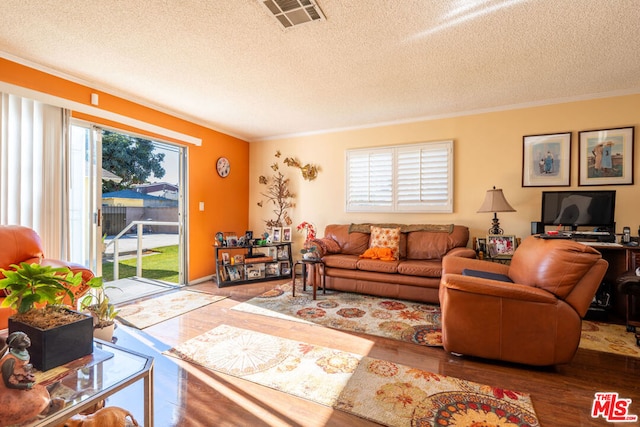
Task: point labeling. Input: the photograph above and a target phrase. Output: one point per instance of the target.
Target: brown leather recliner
(22, 244)
(535, 320)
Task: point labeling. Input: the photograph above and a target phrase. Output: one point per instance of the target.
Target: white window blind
(405, 178)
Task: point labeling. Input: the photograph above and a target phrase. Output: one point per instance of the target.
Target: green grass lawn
(162, 265)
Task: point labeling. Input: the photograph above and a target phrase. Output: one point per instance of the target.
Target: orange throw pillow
(386, 238)
(384, 254)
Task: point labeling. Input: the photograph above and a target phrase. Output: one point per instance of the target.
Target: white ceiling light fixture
(290, 13)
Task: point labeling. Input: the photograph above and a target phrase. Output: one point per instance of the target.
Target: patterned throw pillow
(386, 238)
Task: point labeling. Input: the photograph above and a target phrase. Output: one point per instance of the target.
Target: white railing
(140, 228)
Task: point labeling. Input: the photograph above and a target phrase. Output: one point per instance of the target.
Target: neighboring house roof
(156, 186)
(109, 176)
(130, 194)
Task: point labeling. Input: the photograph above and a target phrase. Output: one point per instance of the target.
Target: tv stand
(594, 236)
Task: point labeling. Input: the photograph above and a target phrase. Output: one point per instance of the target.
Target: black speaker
(537, 227)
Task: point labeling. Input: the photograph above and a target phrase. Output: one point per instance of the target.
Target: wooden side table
(311, 264)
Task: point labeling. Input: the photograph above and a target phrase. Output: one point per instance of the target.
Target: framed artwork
(546, 160)
(225, 257)
(606, 157)
(501, 245)
(238, 259)
(276, 234)
(286, 234)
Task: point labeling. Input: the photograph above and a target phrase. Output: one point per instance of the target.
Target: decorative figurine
(20, 398)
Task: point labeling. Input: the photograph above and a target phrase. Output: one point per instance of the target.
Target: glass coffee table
(84, 382)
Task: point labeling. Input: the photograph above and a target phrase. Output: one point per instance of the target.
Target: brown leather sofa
(535, 320)
(414, 276)
(22, 244)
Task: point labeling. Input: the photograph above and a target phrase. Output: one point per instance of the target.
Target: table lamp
(495, 202)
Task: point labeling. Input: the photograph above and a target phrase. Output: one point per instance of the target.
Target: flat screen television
(594, 209)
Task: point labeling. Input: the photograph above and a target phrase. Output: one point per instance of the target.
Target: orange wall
(226, 200)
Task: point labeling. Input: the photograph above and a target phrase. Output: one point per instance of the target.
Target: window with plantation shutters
(403, 178)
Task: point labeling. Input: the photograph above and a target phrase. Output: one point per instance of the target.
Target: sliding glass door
(121, 184)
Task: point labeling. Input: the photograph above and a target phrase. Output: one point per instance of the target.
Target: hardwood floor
(186, 395)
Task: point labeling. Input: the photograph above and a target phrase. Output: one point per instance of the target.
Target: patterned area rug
(381, 391)
(401, 320)
(155, 310)
(608, 338)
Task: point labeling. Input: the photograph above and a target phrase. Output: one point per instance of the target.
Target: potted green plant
(58, 334)
(103, 312)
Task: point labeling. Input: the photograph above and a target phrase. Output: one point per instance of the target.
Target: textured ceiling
(231, 66)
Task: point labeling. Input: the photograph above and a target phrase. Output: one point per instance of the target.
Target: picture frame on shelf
(276, 234)
(481, 245)
(272, 269)
(285, 268)
(283, 252)
(234, 273)
(255, 271)
(272, 251)
(238, 259)
(546, 160)
(605, 157)
(232, 241)
(286, 234)
(501, 245)
(226, 259)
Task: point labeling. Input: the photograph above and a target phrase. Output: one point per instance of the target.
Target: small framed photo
(501, 245)
(233, 272)
(272, 269)
(286, 234)
(283, 252)
(225, 258)
(546, 160)
(285, 268)
(481, 245)
(276, 234)
(248, 235)
(272, 252)
(606, 157)
(238, 259)
(255, 271)
(232, 241)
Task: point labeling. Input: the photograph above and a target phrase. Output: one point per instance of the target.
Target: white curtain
(34, 170)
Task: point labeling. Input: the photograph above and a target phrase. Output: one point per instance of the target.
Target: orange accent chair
(535, 319)
(22, 244)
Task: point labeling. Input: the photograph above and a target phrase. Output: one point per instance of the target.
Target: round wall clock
(223, 167)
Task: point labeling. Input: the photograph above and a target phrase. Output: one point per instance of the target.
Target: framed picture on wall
(546, 160)
(606, 157)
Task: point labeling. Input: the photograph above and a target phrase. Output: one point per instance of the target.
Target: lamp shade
(494, 201)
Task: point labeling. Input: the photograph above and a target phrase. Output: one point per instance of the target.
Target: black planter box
(59, 345)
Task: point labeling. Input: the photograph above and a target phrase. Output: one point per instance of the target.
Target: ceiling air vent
(290, 13)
